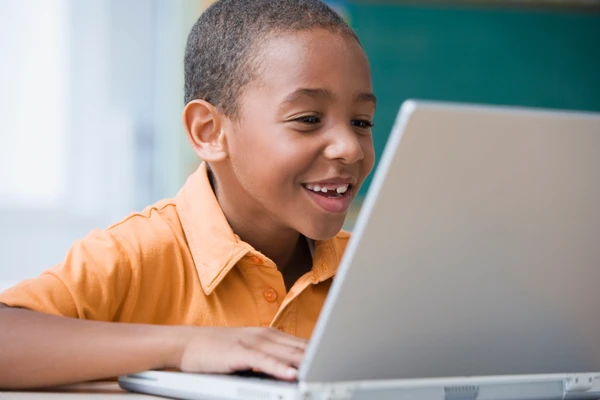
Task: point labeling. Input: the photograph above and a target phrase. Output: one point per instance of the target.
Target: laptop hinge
(579, 383)
(464, 392)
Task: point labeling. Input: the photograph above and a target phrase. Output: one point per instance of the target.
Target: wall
(479, 53)
(93, 131)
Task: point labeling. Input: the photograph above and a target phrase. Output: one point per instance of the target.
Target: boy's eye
(309, 119)
(362, 123)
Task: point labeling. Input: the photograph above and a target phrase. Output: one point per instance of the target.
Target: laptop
(473, 271)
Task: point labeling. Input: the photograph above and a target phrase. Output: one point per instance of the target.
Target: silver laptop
(473, 271)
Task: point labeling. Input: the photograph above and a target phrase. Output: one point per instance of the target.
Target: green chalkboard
(536, 58)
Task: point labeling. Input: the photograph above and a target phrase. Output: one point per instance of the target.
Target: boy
(279, 107)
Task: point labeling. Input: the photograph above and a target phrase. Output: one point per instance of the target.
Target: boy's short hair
(222, 45)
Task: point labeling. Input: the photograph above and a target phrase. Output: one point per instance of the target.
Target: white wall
(91, 94)
(33, 134)
(33, 101)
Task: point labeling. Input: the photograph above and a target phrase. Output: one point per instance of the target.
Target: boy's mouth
(334, 198)
(330, 191)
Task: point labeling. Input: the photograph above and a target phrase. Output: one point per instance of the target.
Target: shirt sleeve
(92, 282)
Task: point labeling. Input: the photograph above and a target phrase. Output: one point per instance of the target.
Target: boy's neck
(287, 248)
(299, 264)
(280, 247)
(290, 253)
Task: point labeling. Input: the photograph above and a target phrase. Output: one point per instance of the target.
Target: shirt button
(315, 278)
(325, 267)
(256, 260)
(270, 295)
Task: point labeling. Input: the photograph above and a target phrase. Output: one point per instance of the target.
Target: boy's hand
(39, 342)
(226, 350)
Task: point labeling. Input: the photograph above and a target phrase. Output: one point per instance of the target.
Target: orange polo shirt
(179, 263)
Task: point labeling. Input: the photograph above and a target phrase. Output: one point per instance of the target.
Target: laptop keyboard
(257, 375)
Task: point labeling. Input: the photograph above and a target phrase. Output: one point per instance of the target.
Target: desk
(82, 391)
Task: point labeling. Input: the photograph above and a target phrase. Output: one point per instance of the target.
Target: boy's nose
(344, 145)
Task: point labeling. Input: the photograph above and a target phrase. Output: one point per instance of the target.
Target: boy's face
(303, 127)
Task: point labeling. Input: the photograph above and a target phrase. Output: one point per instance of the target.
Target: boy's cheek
(369, 159)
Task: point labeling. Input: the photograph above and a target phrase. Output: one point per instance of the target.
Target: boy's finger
(290, 355)
(288, 340)
(270, 365)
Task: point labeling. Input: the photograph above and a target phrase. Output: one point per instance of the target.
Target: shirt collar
(215, 248)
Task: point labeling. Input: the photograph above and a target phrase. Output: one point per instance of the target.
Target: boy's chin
(323, 231)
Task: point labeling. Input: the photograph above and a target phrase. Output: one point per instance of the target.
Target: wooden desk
(87, 391)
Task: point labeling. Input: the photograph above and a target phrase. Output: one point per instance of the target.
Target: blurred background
(91, 94)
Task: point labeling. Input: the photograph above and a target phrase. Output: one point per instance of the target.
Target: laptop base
(223, 387)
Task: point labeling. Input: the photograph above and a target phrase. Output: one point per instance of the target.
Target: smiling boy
(232, 273)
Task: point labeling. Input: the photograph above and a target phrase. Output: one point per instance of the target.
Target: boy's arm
(39, 350)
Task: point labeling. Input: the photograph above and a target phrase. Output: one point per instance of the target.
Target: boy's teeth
(316, 188)
(342, 189)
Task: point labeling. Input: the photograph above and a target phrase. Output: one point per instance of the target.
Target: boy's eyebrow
(296, 94)
(367, 97)
(324, 93)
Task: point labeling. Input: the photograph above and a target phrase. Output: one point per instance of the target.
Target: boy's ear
(204, 125)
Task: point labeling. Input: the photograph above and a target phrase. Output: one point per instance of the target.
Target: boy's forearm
(38, 350)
